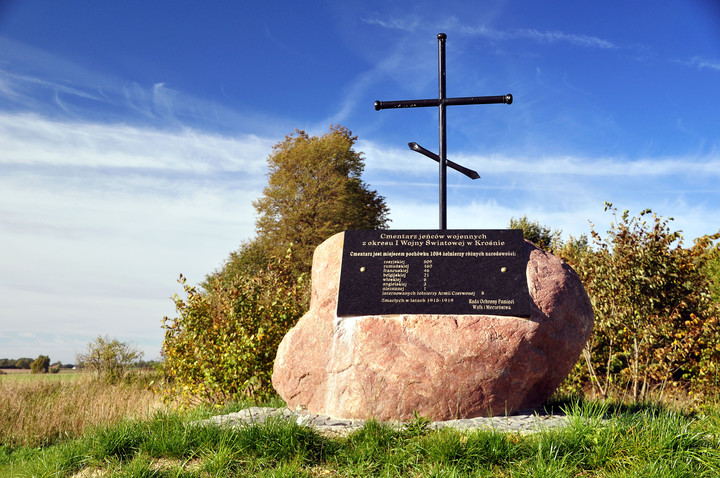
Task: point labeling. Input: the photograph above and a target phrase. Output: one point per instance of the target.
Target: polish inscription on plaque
(480, 272)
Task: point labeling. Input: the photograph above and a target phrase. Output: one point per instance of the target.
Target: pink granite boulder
(440, 366)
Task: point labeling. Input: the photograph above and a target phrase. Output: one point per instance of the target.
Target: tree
(109, 358)
(7, 363)
(40, 365)
(23, 362)
(314, 191)
(539, 235)
(223, 342)
(250, 259)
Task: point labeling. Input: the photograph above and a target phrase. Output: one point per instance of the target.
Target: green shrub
(109, 358)
(222, 345)
(656, 326)
(40, 365)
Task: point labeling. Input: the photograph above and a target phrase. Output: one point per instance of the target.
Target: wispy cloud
(29, 76)
(565, 192)
(538, 36)
(404, 24)
(30, 140)
(701, 63)
(101, 219)
(562, 37)
(484, 31)
(385, 158)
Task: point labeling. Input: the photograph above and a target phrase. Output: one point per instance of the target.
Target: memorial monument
(444, 323)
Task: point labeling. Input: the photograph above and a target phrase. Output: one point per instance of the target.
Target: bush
(40, 365)
(108, 358)
(655, 323)
(222, 345)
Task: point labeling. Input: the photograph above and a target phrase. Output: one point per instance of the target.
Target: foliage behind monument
(314, 191)
(656, 304)
(656, 324)
(223, 343)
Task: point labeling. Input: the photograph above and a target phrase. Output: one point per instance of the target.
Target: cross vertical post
(443, 130)
(442, 101)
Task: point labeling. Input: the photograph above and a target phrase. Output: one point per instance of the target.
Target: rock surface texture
(441, 366)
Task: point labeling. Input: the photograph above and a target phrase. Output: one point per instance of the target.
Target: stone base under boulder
(441, 366)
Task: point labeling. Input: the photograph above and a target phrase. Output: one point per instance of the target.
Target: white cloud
(701, 63)
(559, 36)
(31, 140)
(99, 220)
(564, 193)
(405, 24)
(406, 162)
(452, 23)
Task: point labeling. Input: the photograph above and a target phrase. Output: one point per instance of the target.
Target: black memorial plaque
(454, 272)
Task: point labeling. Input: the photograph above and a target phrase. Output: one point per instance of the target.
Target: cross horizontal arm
(479, 100)
(467, 100)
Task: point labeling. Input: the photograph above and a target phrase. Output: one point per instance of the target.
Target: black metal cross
(442, 101)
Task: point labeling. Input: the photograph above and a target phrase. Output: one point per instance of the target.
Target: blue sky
(133, 135)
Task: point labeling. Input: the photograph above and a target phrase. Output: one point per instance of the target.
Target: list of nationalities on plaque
(395, 288)
(395, 273)
(395, 283)
(460, 271)
(425, 268)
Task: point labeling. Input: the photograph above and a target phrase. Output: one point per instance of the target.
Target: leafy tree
(222, 345)
(148, 365)
(23, 362)
(539, 235)
(40, 364)
(109, 358)
(7, 363)
(314, 191)
(223, 342)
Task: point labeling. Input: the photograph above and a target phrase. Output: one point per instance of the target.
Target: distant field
(14, 374)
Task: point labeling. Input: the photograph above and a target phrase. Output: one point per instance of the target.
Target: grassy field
(39, 409)
(25, 375)
(602, 439)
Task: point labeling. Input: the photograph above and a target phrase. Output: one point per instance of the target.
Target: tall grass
(41, 409)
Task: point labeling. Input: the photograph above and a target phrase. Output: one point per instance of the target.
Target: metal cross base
(442, 101)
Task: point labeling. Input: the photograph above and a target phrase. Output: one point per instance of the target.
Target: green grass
(602, 439)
